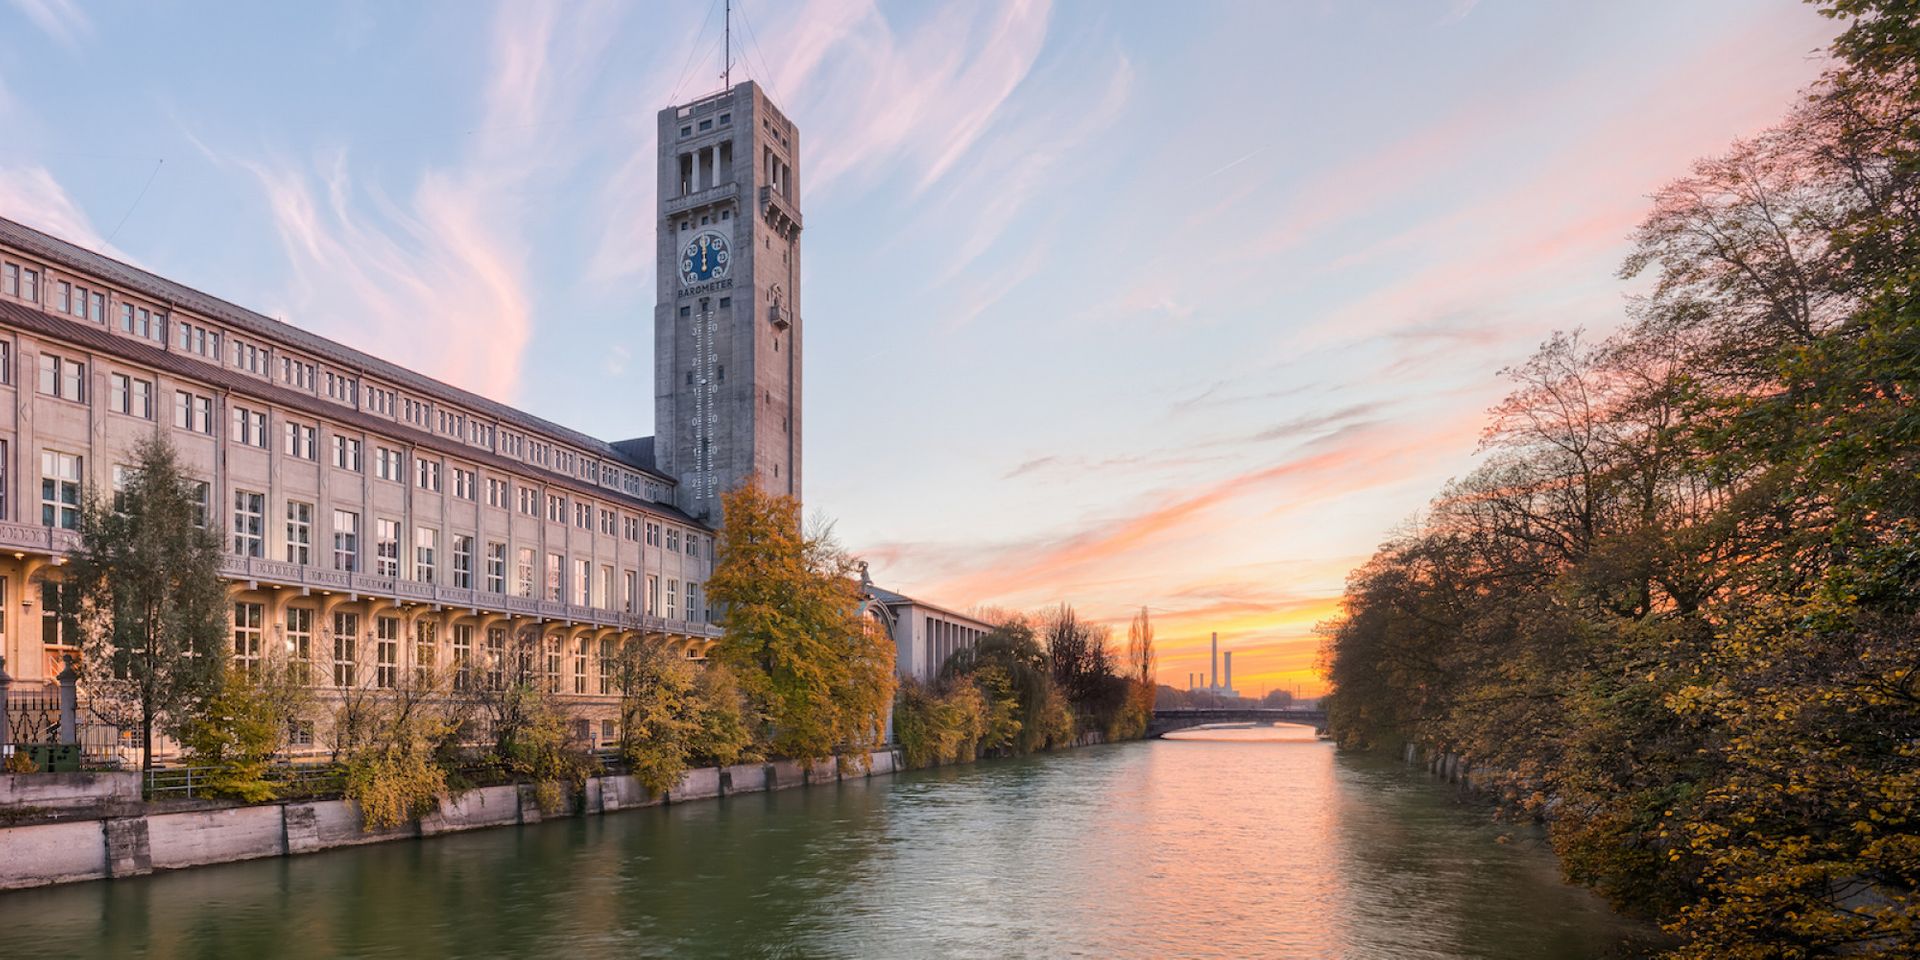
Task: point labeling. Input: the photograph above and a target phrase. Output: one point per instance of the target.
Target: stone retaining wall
(127, 846)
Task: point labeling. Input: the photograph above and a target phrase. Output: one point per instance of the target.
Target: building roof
(80, 259)
(892, 599)
(145, 353)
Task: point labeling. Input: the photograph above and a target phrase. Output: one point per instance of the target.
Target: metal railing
(290, 781)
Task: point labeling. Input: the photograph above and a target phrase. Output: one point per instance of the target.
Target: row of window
(66, 379)
(471, 661)
(61, 490)
(77, 300)
(561, 584)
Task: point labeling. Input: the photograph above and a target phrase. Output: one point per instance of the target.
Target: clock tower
(727, 319)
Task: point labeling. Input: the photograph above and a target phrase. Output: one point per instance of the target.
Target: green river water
(1234, 846)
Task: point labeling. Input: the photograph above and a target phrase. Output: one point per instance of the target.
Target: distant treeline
(1673, 613)
(1032, 683)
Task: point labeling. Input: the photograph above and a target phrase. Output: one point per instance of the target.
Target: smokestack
(1229, 676)
(1213, 664)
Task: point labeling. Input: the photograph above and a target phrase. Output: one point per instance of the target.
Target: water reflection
(1209, 845)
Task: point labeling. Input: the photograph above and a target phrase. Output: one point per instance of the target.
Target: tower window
(686, 131)
(726, 118)
(706, 124)
(686, 311)
(689, 378)
(721, 373)
(726, 302)
(726, 215)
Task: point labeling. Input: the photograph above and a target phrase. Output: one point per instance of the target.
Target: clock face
(705, 258)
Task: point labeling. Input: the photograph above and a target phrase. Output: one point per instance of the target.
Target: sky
(1183, 306)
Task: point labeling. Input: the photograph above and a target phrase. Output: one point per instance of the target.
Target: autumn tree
(819, 672)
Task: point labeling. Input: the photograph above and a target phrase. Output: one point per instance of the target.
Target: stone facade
(377, 521)
(727, 325)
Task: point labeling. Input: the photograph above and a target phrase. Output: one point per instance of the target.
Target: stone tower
(727, 321)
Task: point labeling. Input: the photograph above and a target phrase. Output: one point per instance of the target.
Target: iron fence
(34, 718)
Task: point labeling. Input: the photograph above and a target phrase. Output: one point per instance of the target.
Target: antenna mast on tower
(726, 63)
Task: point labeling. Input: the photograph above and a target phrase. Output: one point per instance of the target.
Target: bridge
(1168, 720)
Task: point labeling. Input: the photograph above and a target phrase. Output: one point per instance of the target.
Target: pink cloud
(440, 282)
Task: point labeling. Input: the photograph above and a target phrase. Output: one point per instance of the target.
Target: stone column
(6, 686)
(69, 702)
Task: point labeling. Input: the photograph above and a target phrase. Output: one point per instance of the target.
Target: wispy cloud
(62, 20)
(31, 195)
(441, 280)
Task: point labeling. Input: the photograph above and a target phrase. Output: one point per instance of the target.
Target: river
(1232, 846)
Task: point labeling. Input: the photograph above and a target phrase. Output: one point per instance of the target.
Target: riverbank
(92, 830)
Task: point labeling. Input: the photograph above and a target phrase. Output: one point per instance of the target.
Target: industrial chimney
(1228, 678)
(1213, 665)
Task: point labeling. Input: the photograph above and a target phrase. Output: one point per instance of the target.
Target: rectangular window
(582, 581)
(59, 490)
(300, 645)
(556, 508)
(463, 562)
(496, 657)
(673, 587)
(496, 492)
(462, 656)
(463, 483)
(65, 379)
(694, 611)
(300, 441)
(250, 427)
(626, 593)
(132, 396)
(606, 522)
(386, 548)
(249, 523)
(299, 532)
(673, 539)
(524, 571)
(425, 541)
(202, 493)
(580, 664)
(30, 285)
(346, 541)
(52, 607)
(429, 474)
(583, 516)
(606, 586)
(607, 663)
(426, 652)
(386, 463)
(6, 362)
(346, 453)
(496, 568)
(386, 652)
(246, 636)
(653, 595)
(556, 565)
(346, 633)
(191, 412)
